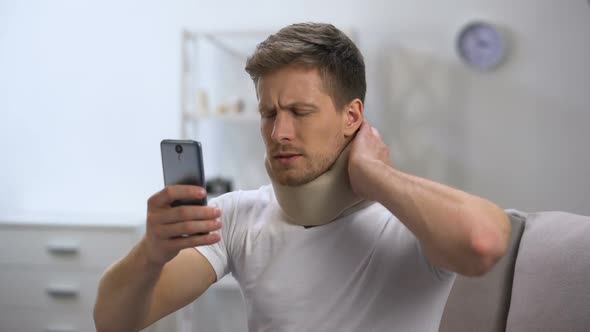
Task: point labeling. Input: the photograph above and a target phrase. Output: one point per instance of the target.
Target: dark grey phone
(182, 162)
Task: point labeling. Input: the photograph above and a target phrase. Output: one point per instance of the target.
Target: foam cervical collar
(322, 200)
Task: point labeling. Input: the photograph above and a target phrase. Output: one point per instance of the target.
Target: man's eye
(299, 112)
(267, 114)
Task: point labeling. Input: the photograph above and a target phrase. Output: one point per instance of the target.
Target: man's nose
(283, 127)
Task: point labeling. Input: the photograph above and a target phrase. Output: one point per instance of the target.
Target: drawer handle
(63, 291)
(60, 329)
(63, 247)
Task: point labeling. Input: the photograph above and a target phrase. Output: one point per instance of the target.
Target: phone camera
(178, 148)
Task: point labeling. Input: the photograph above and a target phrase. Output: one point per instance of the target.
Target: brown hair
(314, 45)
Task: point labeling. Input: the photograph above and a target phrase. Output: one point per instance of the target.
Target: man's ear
(352, 117)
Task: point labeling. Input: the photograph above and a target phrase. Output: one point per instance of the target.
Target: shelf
(246, 117)
(214, 84)
(69, 219)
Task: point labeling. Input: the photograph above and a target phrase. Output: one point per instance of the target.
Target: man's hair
(314, 45)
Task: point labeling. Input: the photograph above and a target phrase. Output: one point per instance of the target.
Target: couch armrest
(551, 288)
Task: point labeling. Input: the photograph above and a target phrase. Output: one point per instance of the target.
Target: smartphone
(182, 163)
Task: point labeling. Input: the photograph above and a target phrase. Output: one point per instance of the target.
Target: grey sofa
(542, 284)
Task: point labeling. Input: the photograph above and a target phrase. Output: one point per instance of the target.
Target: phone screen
(182, 163)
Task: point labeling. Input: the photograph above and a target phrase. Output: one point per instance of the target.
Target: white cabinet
(49, 270)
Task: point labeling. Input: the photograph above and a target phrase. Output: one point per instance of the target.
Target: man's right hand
(141, 287)
(171, 229)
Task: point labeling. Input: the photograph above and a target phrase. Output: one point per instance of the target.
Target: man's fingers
(182, 213)
(368, 129)
(193, 212)
(365, 125)
(188, 228)
(375, 132)
(171, 193)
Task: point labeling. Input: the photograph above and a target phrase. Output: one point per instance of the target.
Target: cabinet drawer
(93, 248)
(40, 289)
(49, 320)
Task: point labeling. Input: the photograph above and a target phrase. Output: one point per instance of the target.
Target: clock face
(481, 45)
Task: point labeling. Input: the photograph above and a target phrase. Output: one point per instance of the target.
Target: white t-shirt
(362, 272)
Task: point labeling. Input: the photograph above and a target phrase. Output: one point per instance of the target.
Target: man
(341, 240)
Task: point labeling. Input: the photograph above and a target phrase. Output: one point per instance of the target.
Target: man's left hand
(369, 156)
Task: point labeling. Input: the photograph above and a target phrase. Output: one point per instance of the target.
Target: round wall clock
(481, 45)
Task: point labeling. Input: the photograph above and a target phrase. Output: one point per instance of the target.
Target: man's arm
(458, 231)
(163, 272)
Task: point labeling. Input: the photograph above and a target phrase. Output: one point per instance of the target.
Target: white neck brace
(322, 200)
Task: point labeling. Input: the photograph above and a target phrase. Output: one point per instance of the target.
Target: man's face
(300, 125)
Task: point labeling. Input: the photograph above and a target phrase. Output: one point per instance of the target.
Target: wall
(88, 89)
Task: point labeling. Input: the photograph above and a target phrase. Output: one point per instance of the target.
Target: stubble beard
(303, 174)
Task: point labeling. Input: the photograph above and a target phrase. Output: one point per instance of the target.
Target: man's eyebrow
(299, 104)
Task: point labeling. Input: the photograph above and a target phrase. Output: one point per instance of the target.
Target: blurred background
(89, 89)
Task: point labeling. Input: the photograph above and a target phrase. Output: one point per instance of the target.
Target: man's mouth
(286, 158)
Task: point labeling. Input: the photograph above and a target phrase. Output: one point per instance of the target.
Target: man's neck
(322, 200)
